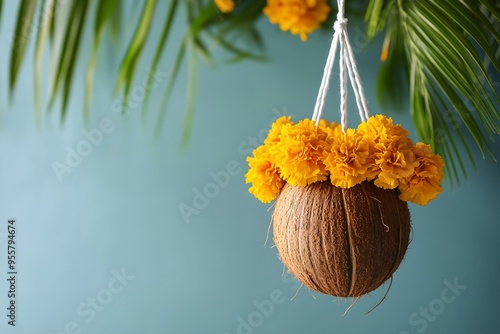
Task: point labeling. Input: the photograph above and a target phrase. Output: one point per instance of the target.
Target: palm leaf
(106, 9)
(135, 48)
(52, 30)
(21, 38)
(80, 16)
(201, 19)
(237, 53)
(116, 20)
(1, 6)
(190, 96)
(451, 94)
(169, 87)
(374, 21)
(392, 79)
(159, 49)
(41, 40)
(69, 54)
(491, 6)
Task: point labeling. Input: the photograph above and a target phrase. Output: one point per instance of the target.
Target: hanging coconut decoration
(341, 222)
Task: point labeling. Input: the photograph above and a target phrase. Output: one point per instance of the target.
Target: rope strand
(357, 80)
(343, 80)
(347, 64)
(320, 100)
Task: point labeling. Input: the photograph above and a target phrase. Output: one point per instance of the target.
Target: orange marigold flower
(332, 129)
(391, 156)
(347, 160)
(424, 184)
(381, 130)
(301, 17)
(264, 176)
(299, 151)
(225, 6)
(274, 133)
(397, 162)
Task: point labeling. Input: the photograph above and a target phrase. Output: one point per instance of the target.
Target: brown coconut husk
(341, 242)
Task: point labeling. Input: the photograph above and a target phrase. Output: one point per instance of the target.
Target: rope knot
(340, 24)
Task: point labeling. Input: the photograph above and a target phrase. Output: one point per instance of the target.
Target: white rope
(347, 63)
(357, 86)
(342, 75)
(320, 100)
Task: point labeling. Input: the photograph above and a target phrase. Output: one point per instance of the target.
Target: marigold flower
(381, 130)
(299, 151)
(332, 129)
(391, 156)
(225, 6)
(424, 184)
(301, 17)
(274, 134)
(395, 163)
(347, 159)
(264, 176)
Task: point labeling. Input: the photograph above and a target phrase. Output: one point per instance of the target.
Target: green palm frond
(21, 38)
(443, 47)
(45, 22)
(207, 24)
(160, 47)
(105, 11)
(135, 48)
(207, 29)
(69, 51)
(442, 55)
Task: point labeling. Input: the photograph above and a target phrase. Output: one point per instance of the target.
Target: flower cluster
(377, 151)
(300, 17)
(225, 6)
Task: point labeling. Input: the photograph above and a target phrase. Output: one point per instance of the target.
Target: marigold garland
(378, 151)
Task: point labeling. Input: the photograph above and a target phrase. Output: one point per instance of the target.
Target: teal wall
(107, 250)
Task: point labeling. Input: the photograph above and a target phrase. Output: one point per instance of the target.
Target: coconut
(341, 242)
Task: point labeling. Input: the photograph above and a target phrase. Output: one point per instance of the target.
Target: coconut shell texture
(341, 242)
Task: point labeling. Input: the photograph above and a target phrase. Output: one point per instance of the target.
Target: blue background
(119, 209)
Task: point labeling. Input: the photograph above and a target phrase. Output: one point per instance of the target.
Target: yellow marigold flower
(264, 176)
(299, 151)
(347, 160)
(382, 131)
(225, 6)
(274, 133)
(424, 184)
(395, 163)
(391, 156)
(332, 129)
(301, 17)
